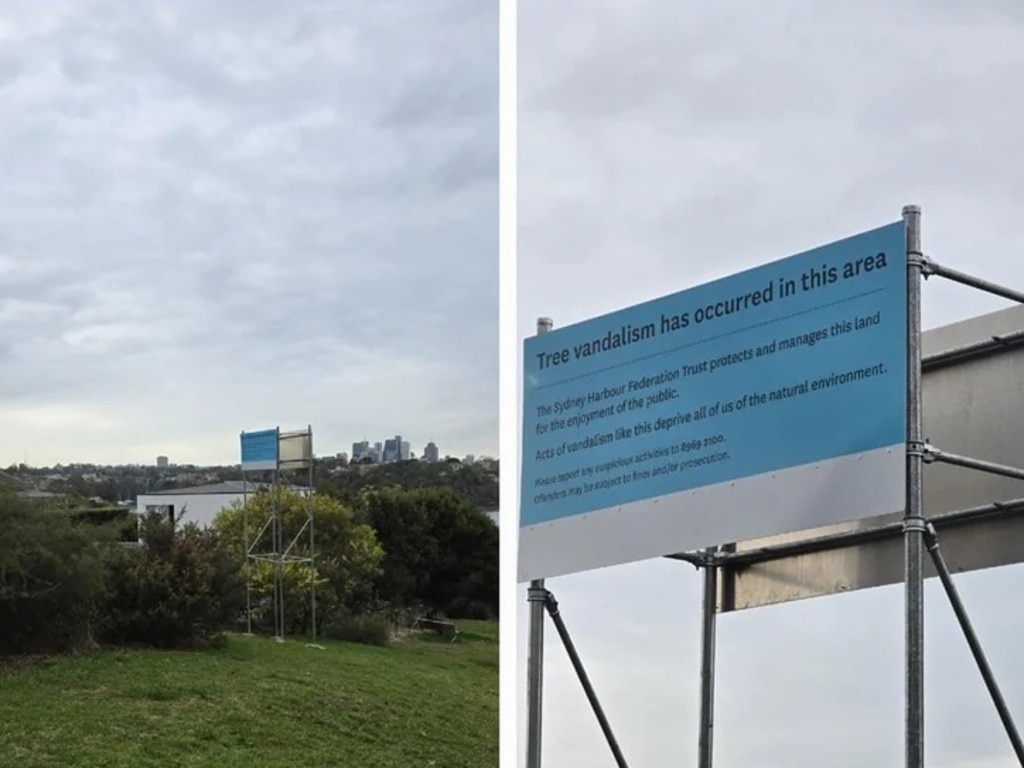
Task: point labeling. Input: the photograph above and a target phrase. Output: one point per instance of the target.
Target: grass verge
(256, 702)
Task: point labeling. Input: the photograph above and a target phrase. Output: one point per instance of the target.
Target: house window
(163, 509)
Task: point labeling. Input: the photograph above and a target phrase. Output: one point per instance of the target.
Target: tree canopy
(439, 550)
(476, 483)
(347, 554)
(51, 577)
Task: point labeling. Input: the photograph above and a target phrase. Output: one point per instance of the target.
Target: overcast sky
(228, 216)
(663, 144)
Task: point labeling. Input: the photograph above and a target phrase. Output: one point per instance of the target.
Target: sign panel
(296, 449)
(260, 450)
(971, 408)
(770, 401)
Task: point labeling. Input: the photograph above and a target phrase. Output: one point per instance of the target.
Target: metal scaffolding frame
(285, 548)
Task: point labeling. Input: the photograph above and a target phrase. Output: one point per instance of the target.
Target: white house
(199, 504)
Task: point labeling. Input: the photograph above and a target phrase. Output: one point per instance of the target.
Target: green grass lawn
(419, 702)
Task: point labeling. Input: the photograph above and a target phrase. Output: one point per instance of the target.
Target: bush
(366, 629)
(119, 523)
(439, 551)
(180, 590)
(50, 579)
(474, 610)
(347, 557)
(300, 580)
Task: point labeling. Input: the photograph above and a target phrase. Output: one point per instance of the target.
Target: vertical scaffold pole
(914, 521)
(705, 742)
(537, 595)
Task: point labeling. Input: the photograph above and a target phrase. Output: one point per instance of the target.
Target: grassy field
(419, 702)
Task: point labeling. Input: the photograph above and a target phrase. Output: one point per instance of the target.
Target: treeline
(477, 482)
(66, 581)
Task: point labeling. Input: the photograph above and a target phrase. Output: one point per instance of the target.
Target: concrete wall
(191, 508)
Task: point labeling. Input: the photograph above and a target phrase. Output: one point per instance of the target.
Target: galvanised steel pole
(537, 597)
(914, 525)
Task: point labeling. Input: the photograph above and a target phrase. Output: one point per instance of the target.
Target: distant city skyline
(220, 457)
(396, 449)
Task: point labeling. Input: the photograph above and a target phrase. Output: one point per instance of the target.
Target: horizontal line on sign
(762, 324)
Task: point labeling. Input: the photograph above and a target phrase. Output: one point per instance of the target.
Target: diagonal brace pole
(298, 535)
(556, 616)
(931, 268)
(932, 542)
(934, 454)
(259, 535)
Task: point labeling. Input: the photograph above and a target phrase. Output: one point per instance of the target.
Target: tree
(402, 523)
(478, 484)
(465, 579)
(51, 578)
(440, 551)
(347, 555)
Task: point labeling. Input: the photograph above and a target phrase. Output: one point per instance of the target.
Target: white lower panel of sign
(825, 492)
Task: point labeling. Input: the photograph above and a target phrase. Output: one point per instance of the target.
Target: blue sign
(260, 450)
(799, 361)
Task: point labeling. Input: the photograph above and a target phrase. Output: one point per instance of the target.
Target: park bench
(443, 628)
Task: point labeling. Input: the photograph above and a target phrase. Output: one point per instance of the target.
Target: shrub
(365, 629)
(347, 556)
(439, 550)
(468, 608)
(119, 523)
(300, 580)
(179, 590)
(50, 579)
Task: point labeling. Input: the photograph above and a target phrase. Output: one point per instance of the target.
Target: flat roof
(229, 487)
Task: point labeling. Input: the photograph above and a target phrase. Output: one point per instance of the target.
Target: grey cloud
(212, 202)
(466, 171)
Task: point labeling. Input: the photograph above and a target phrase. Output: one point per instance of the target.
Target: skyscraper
(393, 450)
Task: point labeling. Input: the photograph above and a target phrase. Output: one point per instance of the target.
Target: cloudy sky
(230, 216)
(663, 144)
